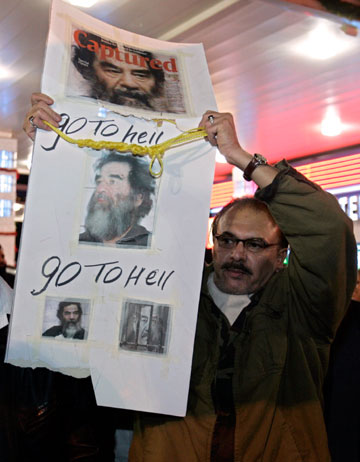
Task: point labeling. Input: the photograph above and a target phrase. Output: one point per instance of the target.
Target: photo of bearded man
(124, 75)
(123, 197)
(70, 322)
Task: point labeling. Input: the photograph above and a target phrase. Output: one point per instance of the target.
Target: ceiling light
(331, 124)
(324, 42)
(4, 73)
(83, 3)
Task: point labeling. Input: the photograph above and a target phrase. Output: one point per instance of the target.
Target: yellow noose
(155, 152)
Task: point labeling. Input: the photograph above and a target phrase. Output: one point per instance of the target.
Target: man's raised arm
(222, 134)
(322, 268)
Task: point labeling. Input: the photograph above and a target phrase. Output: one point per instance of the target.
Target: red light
(329, 174)
(222, 193)
(333, 173)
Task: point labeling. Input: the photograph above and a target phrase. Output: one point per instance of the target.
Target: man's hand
(40, 111)
(221, 132)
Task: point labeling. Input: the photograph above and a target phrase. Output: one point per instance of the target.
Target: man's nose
(102, 187)
(127, 81)
(239, 251)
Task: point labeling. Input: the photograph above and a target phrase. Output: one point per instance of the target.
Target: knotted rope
(155, 152)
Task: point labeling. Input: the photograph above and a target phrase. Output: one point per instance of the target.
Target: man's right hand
(40, 111)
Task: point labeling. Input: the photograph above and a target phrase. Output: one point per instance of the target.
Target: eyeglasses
(254, 245)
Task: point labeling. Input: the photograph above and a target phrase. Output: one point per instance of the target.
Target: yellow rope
(159, 122)
(155, 152)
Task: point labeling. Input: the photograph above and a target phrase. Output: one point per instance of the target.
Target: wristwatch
(257, 160)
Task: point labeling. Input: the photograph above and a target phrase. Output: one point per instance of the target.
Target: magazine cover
(90, 61)
(113, 242)
(127, 76)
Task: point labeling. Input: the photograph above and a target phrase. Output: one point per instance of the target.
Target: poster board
(121, 310)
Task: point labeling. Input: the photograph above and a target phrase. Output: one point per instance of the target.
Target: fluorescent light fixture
(83, 3)
(331, 124)
(324, 42)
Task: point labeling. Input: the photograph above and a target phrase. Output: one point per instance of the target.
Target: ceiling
(278, 98)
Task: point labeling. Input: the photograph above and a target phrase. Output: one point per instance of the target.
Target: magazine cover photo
(124, 75)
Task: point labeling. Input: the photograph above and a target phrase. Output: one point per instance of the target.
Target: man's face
(150, 335)
(144, 325)
(112, 184)
(238, 270)
(156, 330)
(71, 314)
(111, 210)
(123, 83)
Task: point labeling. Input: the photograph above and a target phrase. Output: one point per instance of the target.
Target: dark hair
(243, 203)
(140, 180)
(63, 305)
(83, 58)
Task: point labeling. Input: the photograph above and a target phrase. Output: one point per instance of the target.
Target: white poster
(111, 257)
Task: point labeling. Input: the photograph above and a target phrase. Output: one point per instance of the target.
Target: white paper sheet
(138, 304)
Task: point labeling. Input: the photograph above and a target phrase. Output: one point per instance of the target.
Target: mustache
(108, 200)
(117, 96)
(236, 266)
(134, 94)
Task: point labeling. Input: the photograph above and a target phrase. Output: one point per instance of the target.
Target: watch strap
(257, 160)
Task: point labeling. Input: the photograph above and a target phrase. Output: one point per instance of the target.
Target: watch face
(257, 160)
(260, 159)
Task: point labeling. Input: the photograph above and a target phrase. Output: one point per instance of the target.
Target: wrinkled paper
(138, 303)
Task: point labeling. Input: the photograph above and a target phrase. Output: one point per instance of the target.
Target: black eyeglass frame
(262, 245)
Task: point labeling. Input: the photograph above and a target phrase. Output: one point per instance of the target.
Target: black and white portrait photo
(66, 319)
(119, 211)
(144, 327)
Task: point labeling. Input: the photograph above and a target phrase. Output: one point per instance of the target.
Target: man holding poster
(264, 331)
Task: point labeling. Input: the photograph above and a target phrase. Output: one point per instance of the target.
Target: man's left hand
(222, 134)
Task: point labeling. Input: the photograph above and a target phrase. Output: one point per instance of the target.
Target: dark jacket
(342, 390)
(280, 351)
(54, 331)
(137, 236)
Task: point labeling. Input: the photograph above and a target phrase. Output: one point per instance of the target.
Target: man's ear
(138, 200)
(280, 258)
